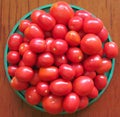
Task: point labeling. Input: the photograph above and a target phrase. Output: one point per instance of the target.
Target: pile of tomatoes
(60, 59)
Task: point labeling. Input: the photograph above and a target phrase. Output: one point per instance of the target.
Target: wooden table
(12, 10)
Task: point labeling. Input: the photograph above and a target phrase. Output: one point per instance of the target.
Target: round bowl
(21, 93)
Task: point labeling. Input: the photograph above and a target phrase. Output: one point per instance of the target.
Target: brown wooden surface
(11, 105)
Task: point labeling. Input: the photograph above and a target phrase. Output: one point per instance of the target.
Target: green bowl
(21, 93)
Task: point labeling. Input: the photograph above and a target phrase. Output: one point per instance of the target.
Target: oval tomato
(91, 74)
(94, 93)
(23, 47)
(11, 70)
(48, 42)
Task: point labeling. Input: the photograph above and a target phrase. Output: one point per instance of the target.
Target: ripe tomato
(73, 38)
(111, 50)
(18, 85)
(23, 47)
(43, 88)
(92, 62)
(24, 74)
(32, 97)
(100, 81)
(60, 87)
(59, 31)
(14, 41)
(52, 104)
(91, 74)
(94, 93)
(24, 24)
(105, 66)
(74, 54)
(45, 59)
(75, 23)
(62, 12)
(29, 58)
(48, 73)
(21, 63)
(13, 57)
(71, 102)
(48, 42)
(83, 85)
(91, 44)
(12, 70)
(92, 25)
(59, 47)
(37, 45)
(67, 72)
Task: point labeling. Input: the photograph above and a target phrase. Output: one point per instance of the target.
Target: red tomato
(59, 31)
(91, 44)
(48, 73)
(46, 22)
(71, 102)
(92, 62)
(52, 104)
(59, 47)
(13, 57)
(18, 85)
(35, 14)
(24, 74)
(75, 55)
(91, 74)
(33, 31)
(21, 63)
(48, 43)
(62, 12)
(67, 72)
(75, 23)
(24, 24)
(14, 41)
(92, 25)
(59, 60)
(78, 69)
(111, 49)
(105, 66)
(73, 38)
(32, 97)
(12, 70)
(23, 47)
(100, 81)
(60, 87)
(26, 40)
(84, 101)
(37, 45)
(83, 85)
(94, 93)
(45, 59)
(103, 34)
(43, 88)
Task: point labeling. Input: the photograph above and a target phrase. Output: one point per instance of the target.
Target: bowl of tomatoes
(59, 55)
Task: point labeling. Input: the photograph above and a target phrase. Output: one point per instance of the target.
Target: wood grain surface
(12, 10)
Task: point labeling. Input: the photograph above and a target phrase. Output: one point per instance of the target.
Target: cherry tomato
(48, 43)
(105, 66)
(45, 59)
(111, 49)
(24, 74)
(23, 47)
(73, 38)
(43, 88)
(12, 70)
(94, 93)
(48, 73)
(62, 12)
(92, 25)
(13, 57)
(21, 63)
(59, 31)
(75, 55)
(52, 104)
(83, 85)
(75, 23)
(14, 41)
(91, 74)
(71, 102)
(32, 97)
(91, 44)
(26, 40)
(60, 87)
(100, 81)
(37, 45)
(92, 62)
(59, 47)
(18, 85)
(24, 24)
(67, 72)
